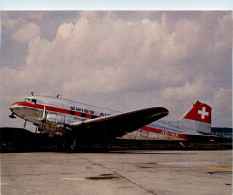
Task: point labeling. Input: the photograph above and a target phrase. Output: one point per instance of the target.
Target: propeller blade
(44, 115)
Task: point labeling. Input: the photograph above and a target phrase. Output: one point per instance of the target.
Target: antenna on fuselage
(58, 95)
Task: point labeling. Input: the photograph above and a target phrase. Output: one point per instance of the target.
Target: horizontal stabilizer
(208, 138)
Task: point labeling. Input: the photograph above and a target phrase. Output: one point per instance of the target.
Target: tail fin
(197, 119)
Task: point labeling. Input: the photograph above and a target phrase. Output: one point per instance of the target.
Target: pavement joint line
(219, 168)
(120, 175)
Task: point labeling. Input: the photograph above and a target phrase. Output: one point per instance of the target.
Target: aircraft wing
(118, 124)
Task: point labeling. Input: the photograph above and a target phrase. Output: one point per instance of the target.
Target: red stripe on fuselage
(164, 132)
(53, 109)
(89, 116)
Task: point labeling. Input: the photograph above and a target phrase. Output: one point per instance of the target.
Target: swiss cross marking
(203, 113)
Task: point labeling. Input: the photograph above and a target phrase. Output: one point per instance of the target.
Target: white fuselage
(52, 114)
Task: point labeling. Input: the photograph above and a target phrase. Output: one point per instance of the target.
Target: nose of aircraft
(12, 106)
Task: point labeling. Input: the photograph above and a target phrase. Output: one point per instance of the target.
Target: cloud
(223, 43)
(222, 107)
(222, 99)
(117, 52)
(36, 15)
(196, 88)
(10, 24)
(187, 91)
(26, 33)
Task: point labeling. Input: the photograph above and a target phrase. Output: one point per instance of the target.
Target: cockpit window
(34, 101)
(30, 100)
(27, 100)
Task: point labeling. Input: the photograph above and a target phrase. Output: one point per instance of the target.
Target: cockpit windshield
(30, 100)
(34, 101)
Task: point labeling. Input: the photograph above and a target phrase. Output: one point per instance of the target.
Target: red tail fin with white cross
(198, 119)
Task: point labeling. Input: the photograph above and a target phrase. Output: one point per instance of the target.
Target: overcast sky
(123, 60)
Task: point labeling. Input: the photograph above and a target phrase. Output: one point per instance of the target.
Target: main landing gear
(69, 143)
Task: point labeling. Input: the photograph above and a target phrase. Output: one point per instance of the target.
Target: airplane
(75, 121)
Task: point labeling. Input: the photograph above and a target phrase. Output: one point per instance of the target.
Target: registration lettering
(168, 133)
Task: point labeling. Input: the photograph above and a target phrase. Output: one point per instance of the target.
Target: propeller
(44, 115)
(43, 119)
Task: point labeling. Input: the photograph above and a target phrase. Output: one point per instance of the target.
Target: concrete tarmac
(123, 172)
